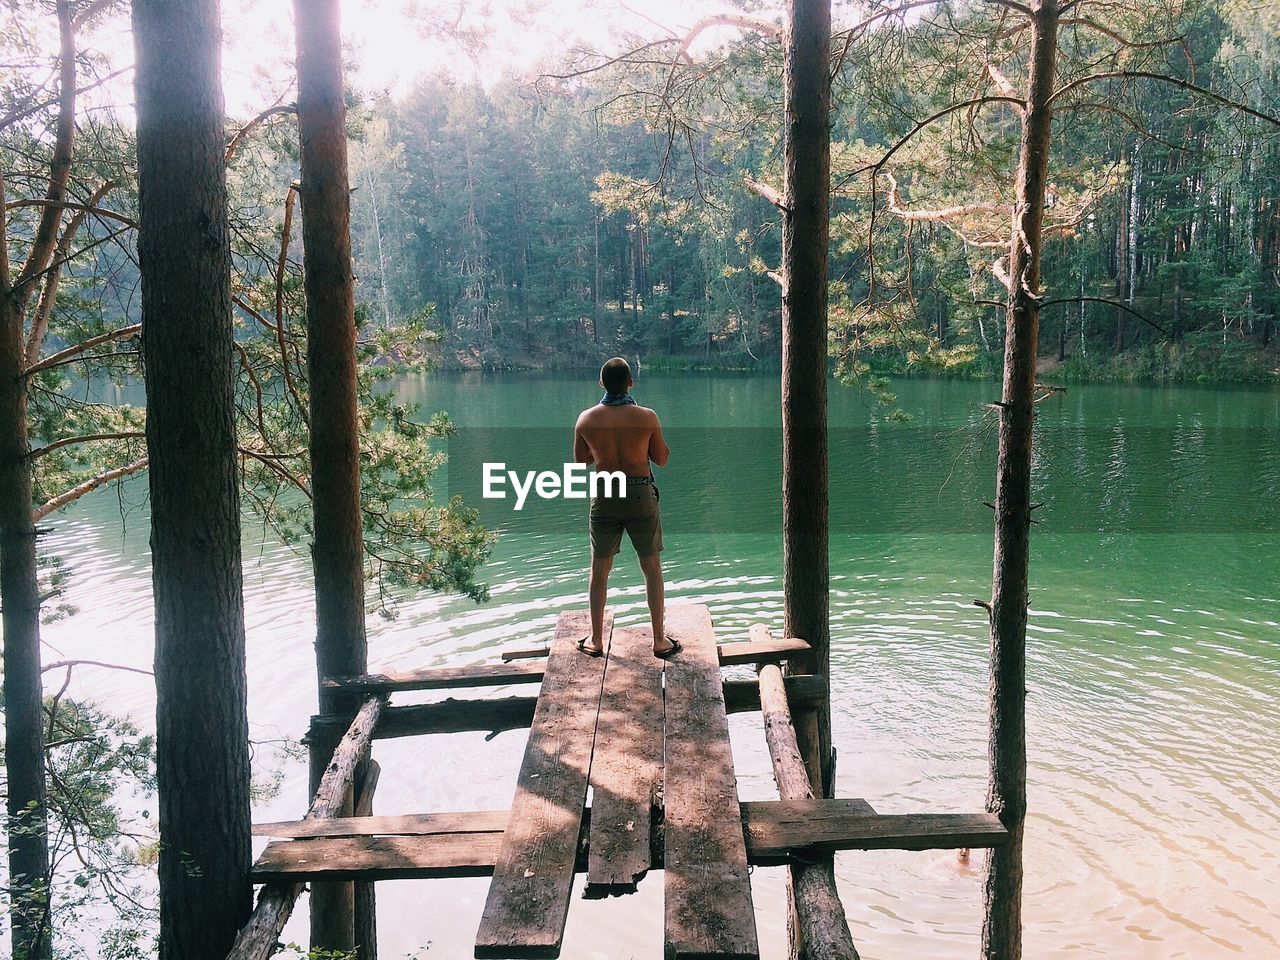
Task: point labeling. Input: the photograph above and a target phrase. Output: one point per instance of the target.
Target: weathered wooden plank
(524, 915)
(363, 806)
(761, 648)
(708, 887)
(626, 768)
(440, 678)
(777, 832)
(525, 653)
(366, 898)
(429, 856)
(782, 830)
(471, 821)
(448, 716)
(258, 937)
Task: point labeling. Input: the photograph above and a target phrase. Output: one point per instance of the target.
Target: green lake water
(1153, 649)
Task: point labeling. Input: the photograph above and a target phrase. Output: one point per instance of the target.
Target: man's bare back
(622, 438)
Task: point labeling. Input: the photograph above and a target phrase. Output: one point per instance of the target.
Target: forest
(545, 218)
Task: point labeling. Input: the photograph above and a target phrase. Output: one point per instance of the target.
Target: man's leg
(597, 590)
(651, 567)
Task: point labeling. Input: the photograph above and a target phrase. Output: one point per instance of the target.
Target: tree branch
(769, 193)
(59, 664)
(49, 296)
(60, 205)
(253, 124)
(1119, 38)
(1184, 84)
(76, 492)
(942, 213)
(62, 356)
(39, 452)
(1001, 81)
(1111, 303)
(282, 265)
(683, 44)
(46, 233)
(1013, 5)
(953, 108)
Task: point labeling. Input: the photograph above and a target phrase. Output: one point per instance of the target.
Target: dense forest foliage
(548, 219)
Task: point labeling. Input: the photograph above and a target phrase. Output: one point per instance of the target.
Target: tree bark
(1006, 796)
(804, 357)
(31, 932)
(337, 550)
(202, 743)
(23, 714)
(805, 571)
(1122, 262)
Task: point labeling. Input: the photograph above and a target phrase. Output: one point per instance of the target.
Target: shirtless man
(618, 434)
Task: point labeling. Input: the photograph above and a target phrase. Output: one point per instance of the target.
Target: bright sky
(392, 41)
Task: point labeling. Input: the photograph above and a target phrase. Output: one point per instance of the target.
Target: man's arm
(581, 449)
(659, 452)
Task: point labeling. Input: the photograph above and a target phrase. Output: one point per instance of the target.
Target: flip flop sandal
(671, 651)
(589, 651)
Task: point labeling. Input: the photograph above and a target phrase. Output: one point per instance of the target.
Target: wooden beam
(776, 832)
(529, 653)
(515, 713)
(819, 914)
(258, 937)
(626, 769)
(474, 821)
(440, 678)
(366, 898)
(794, 831)
(759, 649)
(762, 651)
(708, 910)
(528, 902)
(364, 796)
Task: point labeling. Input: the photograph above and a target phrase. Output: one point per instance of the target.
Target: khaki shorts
(636, 513)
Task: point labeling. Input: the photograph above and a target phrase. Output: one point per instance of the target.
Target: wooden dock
(650, 738)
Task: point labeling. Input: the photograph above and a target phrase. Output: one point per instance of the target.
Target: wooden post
(819, 914)
(337, 547)
(202, 737)
(804, 359)
(1007, 787)
(805, 231)
(257, 939)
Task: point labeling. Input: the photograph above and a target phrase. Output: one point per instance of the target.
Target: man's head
(615, 376)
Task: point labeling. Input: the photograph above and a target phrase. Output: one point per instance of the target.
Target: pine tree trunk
(31, 932)
(805, 571)
(804, 356)
(596, 295)
(1122, 264)
(23, 713)
(337, 550)
(1006, 796)
(202, 745)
